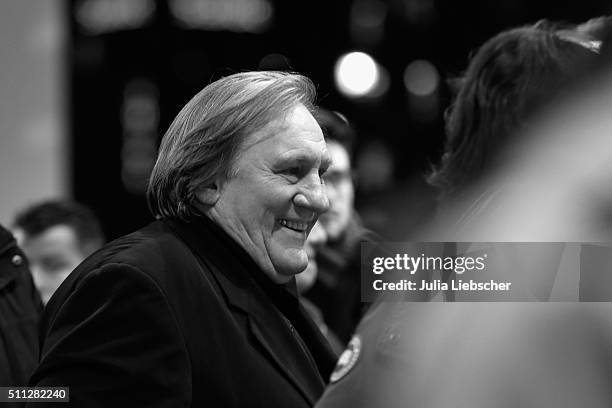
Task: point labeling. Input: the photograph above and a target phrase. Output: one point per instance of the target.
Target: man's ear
(208, 195)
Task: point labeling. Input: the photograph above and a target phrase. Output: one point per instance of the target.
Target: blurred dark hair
(40, 217)
(513, 76)
(336, 127)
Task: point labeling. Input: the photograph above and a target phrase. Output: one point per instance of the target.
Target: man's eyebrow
(303, 159)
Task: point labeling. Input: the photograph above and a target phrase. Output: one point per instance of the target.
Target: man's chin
(291, 263)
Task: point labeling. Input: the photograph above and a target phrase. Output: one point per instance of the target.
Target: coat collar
(270, 307)
(239, 271)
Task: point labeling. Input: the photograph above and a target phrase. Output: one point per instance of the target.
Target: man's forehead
(269, 131)
(54, 236)
(286, 137)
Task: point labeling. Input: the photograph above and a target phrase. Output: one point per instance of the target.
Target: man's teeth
(298, 226)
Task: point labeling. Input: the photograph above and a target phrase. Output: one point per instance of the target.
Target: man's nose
(313, 196)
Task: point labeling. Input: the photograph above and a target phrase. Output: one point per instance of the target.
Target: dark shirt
(20, 307)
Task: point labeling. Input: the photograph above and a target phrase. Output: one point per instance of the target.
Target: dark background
(127, 84)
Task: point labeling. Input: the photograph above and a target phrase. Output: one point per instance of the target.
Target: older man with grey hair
(200, 307)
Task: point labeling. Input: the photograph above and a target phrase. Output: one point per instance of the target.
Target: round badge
(347, 359)
(17, 260)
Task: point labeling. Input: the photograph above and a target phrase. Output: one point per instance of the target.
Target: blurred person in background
(200, 308)
(509, 177)
(56, 236)
(337, 290)
(306, 279)
(20, 307)
(515, 78)
(512, 78)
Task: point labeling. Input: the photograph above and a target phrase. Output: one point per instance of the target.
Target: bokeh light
(421, 78)
(357, 74)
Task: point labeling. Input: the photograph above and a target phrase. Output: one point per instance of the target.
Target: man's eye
(294, 171)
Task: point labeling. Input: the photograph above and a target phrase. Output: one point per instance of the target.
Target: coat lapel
(274, 334)
(226, 260)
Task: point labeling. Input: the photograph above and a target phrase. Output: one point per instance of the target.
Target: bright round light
(421, 78)
(356, 74)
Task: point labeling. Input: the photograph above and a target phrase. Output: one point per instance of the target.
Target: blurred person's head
(56, 236)
(247, 153)
(338, 179)
(374, 166)
(307, 278)
(512, 77)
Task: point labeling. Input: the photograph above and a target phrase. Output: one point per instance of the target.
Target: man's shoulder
(145, 249)
(152, 262)
(153, 253)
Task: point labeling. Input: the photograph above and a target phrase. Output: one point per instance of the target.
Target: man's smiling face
(276, 193)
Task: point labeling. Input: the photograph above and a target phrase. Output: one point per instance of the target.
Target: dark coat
(178, 315)
(478, 355)
(20, 307)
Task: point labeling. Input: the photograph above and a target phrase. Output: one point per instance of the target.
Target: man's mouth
(294, 225)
